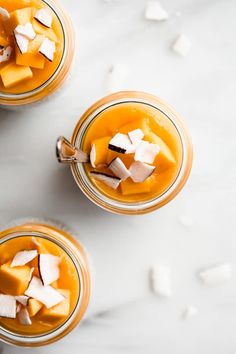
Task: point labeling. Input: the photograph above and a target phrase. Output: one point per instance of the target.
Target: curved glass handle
(68, 153)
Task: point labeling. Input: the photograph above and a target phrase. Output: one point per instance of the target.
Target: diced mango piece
(128, 187)
(18, 17)
(47, 32)
(101, 148)
(126, 158)
(10, 5)
(59, 311)
(14, 74)
(32, 58)
(142, 124)
(33, 307)
(165, 157)
(14, 281)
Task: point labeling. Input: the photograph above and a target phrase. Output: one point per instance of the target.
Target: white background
(124, 316)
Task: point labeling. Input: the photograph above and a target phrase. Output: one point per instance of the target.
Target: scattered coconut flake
(47, 295)
(116, 77)
(122, 144)
(189, 311)
(4, 14)
(7, 306)
(182, 45)
(23, 257)
(186, 221)
(160, 277)
(5, 54)
(44, 17)
(109, 180)
(22, 299)
(119, 169)
(136, 136)
(216, 275)
(154, 11)
(22, 42)
(48, 268)
(47, 49)
(24, 317)
(146, 152)
(93, 156)
(140, 171)
(26, 30)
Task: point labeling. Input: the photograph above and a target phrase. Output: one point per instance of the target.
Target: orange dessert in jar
(36, 49)
(138, 150)
(44, 284)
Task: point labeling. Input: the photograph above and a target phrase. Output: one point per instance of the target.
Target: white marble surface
(124, 316)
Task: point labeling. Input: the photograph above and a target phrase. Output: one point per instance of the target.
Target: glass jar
(76, 253)
(61, 72)
(85, 183)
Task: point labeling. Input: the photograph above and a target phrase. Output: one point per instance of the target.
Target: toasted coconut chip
(109, 180)
(26, 30)
(48, 268)
(22, 42)
(140, 171)
(7, 306)
(23, 257)
(4, 14)
(44, 17)
(122, 144)
(47, 49)
(5, 54)
(22, 299)
(146, 152)
(47, 295)
(93, 156)
(24, 317)
(136, 136)
(119, 169)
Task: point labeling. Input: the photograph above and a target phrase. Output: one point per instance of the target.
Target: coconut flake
(216, 275)
(182, 45)
(26, 30)
(136, 136)
(23, 257)
(122, 144)
(4, 14)
(154, 11)
(119, 169)
(109, 180)
(48, 268)
(22, 299)
(160, 280)
(24, 317)
(5, 54)
(93, 156)
(140, 171)
(47, 49)
(22, 42)
(146, 152)
(7, 306)
(44, 17)
(189, 311)
(47, 295)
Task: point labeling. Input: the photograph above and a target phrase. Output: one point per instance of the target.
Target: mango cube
(33, 307)
(101, 149)
(142, 123)
(127, 159)
(59, 311)
(14, 281)
(128, 187)
(18, 17)
(165, 157)
(14, 74)
(32, 58)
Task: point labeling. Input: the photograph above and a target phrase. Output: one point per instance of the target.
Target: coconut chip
(47, 49)
(109, 180)
(121, 144)
(160, 280)
(22, 42)
(4, 14)
(23, 257)
(5, 54)
(44, 17)
(24, 317)
(154, 11)
(93, 156)
(48, 266)
(216, 275)
(26, 30)
(146, 152)
(182, 45)
(22, 299)
(189, 311)
(136, 136)
(7, 306)
(119, 169)
(140, 171)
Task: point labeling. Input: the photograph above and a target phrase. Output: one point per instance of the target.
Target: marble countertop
(124, 316)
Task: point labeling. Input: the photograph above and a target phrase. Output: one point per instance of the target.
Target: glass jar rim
(25, 339)
(92, 192)
(37, 90)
